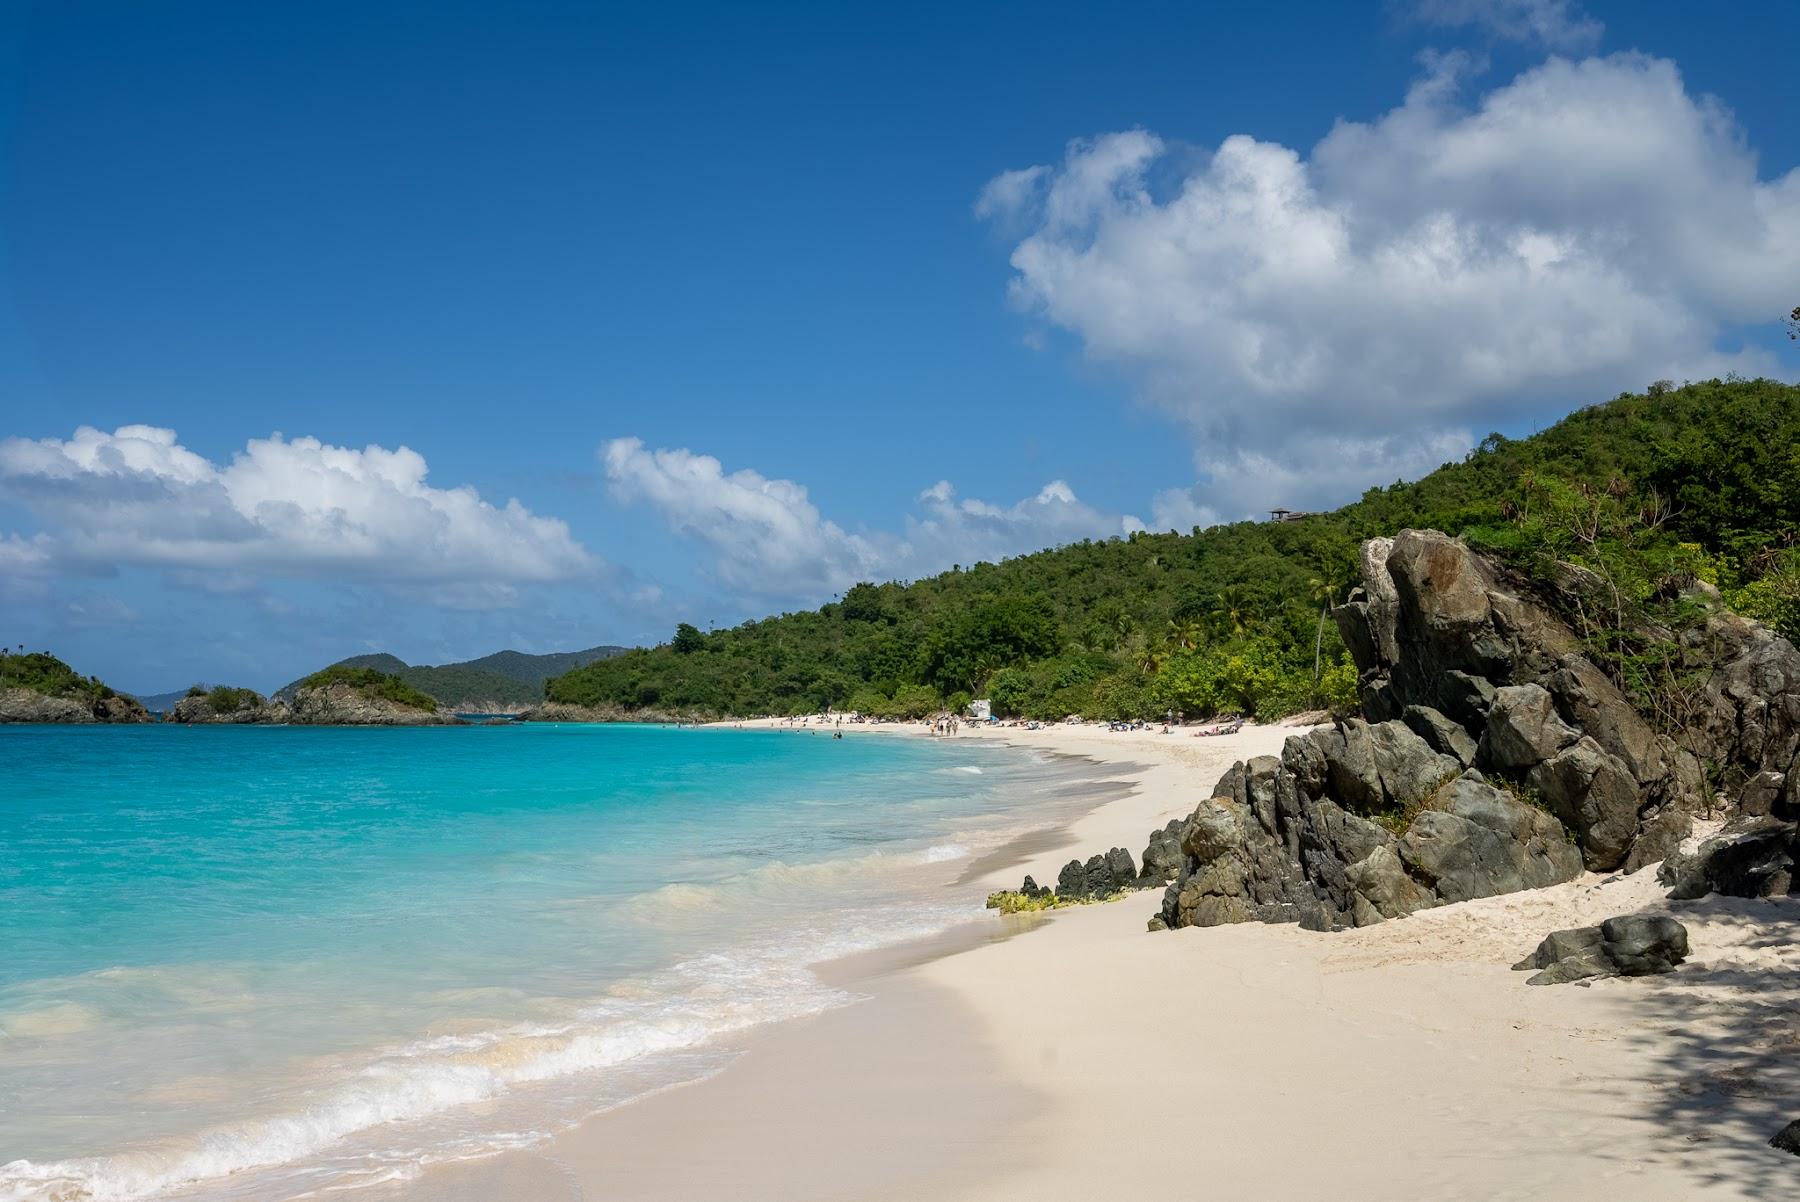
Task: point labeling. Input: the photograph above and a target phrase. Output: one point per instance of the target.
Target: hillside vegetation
(1700, 482)
(505, 678)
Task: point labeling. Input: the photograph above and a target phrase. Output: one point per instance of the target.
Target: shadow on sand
(1722, 1037)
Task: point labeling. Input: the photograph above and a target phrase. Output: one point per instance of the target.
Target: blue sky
(737, 304)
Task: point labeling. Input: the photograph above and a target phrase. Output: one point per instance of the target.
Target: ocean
(247, 962)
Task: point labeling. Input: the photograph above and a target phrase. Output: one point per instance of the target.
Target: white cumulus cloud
(293, 508)
(1317, 319)
(948, 530)
(766, 536)
(768, 539)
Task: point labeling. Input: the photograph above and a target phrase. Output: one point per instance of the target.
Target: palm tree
(1187, 635)
(1231, 614)
(1324, 588)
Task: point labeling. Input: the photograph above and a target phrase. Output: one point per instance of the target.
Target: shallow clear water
(240, 961)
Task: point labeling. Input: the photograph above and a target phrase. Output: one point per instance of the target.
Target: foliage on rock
(371, 683)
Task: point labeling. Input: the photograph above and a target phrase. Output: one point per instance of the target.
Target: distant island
(337, 696)
(37, 687)
(501, 683)
(363, 690)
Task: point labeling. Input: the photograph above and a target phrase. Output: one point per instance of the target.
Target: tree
(1231, 614)
(688, 639)
(863, 604)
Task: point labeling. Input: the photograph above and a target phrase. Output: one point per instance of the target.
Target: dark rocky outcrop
(345, 705)
(240, 707)
(1494, 756)
(1163, 857)
(1101, 876)
(1275, 845)
(1788, 1138)
(1632, 945)
(1446, 631)
(1751, 857)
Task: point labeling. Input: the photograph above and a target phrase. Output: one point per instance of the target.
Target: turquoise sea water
(257, 962)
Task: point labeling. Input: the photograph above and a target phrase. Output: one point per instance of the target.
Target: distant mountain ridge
(158, 703)
(505, 680)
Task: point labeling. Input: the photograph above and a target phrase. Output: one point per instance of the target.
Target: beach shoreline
(1262, 1061)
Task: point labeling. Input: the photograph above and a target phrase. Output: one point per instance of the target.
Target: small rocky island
(337, 696)
(38, 687)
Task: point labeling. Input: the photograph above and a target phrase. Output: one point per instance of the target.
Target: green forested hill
(505, 678)
(1701, 481)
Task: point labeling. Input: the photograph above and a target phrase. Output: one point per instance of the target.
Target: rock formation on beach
(1495, 756)
(1631, 945)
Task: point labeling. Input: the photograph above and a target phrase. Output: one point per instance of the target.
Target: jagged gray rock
(1466, 698)
(1163, 857)
(1630, 945)
(1479, 841)
(1444, 734)
(1523, 730)
(1788, 1138)
(1566, 956)
(1478, 702)
(1641, 944)
(1406, 765)
(1587, 700)
(1267, 850)
(1595, 796)
(1101, 876)
(1463, 635)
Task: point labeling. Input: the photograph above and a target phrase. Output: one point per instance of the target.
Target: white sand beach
(1087, 1055)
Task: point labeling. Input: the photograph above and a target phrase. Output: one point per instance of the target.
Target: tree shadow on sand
(1722, 1037)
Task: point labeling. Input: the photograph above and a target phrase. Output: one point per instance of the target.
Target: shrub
(223, 700)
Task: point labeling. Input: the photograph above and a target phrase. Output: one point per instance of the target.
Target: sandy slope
(1089, 1057)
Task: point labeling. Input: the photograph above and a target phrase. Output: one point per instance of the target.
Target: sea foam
(310, 961)
(690, 1006)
